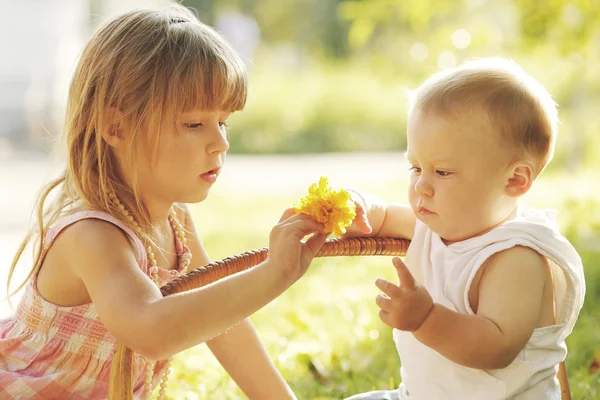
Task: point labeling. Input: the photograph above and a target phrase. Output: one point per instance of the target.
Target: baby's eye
(415, 170)
(223, 124)
(442, 173)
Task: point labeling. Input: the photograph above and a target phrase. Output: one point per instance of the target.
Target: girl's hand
(287, 253)
(406, 306)
(360, 225)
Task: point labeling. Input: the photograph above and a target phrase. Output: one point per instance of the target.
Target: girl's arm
(132, 308)
(241, 353)
(239, 350)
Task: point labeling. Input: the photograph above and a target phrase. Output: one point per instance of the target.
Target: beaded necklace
(154, 273)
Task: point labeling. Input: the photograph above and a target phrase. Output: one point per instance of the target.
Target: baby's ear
(520, 179)
(112, 127)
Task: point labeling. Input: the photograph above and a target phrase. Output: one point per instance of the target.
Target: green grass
(324, 334)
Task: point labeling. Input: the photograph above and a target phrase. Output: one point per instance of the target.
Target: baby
(489, 289)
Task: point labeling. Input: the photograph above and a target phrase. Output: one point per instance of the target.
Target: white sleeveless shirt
(448, 271)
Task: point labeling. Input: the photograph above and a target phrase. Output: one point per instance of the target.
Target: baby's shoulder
(507, 268)
(518, 252)
(517, 261)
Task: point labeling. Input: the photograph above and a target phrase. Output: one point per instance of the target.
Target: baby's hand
(406, 306)
(360, 225)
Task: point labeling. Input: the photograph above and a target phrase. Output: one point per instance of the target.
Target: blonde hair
(516, 106)
(148, 65)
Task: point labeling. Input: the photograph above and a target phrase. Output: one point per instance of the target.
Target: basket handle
(121, 372)
(358, 246)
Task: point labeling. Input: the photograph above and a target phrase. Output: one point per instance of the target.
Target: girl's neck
(159, 216)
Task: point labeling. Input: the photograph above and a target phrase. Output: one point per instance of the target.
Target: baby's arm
(510, 301)
(385, 219)
(239, 349)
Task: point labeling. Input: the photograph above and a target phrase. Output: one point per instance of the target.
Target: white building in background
(39, 45)
(241, 31)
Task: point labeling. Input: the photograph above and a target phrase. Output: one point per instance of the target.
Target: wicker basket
(121, 379)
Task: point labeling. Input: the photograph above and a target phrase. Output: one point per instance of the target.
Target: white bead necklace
(154, 273)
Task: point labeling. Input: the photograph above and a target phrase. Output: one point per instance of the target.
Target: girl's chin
(194, 197)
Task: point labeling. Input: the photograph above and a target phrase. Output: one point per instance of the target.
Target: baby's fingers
(387, 287)
(386, 318)
(384, 302)
(407, 281)
(361, 220)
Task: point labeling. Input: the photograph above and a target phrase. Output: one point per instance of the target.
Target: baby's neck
(512, 215)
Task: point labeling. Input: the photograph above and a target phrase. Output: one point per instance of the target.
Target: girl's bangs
(210, 85)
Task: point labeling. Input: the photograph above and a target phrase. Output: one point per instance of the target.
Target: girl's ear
(112, 129)
(520, 179)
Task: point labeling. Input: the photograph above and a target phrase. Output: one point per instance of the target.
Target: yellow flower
(332, 208)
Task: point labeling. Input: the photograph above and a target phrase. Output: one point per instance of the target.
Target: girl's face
(459, 174)
(187, 161)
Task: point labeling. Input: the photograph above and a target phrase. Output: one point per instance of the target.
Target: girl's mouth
(210, 176)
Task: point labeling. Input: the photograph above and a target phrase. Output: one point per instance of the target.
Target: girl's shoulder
(90, 228)
(82, 245)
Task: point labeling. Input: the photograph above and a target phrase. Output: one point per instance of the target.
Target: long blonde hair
(148, 65)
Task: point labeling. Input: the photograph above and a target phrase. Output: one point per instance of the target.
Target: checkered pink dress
(53, 352)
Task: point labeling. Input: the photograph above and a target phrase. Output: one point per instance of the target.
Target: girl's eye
(200, 125)
(415, 170)
(194, 126)
(442, 173)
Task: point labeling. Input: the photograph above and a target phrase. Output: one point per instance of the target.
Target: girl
(146, 132)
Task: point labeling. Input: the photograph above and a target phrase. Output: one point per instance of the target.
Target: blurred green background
(327, 76)
(331, 75)
(324, 333)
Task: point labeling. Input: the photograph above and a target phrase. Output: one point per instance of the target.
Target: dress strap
(63, 223)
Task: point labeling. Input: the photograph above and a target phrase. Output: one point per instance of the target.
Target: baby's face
(459, 171)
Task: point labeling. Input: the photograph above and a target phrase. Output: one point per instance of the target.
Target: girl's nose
(219, 144)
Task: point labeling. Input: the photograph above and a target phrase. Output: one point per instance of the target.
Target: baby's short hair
(517, 107)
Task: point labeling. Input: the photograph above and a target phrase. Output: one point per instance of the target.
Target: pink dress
(53, 352)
